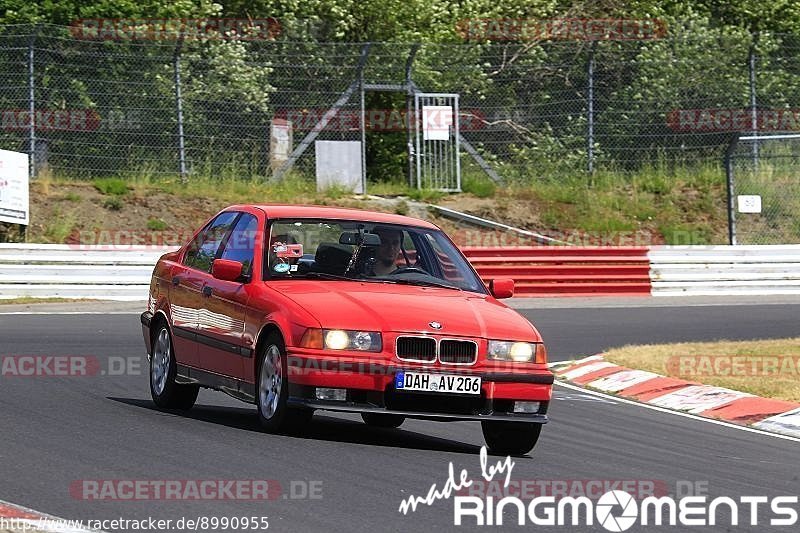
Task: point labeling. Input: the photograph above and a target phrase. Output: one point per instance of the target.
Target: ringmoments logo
(618, 510)
(615, 510)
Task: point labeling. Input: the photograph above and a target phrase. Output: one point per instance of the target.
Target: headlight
(518, 352)
(361, 341)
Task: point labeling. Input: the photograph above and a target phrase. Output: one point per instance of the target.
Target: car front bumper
(353, 407)
(369, 383)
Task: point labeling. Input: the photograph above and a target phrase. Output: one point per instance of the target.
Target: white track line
(71, 313)
(677, 413)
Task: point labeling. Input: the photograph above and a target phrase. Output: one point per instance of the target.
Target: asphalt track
(58, 430)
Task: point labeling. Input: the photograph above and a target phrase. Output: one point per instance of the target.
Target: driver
(386, 253)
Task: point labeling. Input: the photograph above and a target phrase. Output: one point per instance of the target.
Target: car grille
(417, 349)
(455, 352)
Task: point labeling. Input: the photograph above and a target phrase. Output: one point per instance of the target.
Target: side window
(450, 270)
(203, 249)
(242, 243)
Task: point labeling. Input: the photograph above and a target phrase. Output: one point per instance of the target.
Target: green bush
(114, 203)
(111, 186)
(482, 188)
(156, 224)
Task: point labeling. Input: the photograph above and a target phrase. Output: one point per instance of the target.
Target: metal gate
(437, 142)
(763, 189)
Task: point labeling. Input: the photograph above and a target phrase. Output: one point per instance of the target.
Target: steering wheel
(407, 269)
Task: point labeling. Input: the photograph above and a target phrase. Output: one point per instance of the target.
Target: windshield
(337, 249)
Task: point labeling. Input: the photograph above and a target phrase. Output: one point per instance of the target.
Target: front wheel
(273, 390)
(383, 421)
(165, 392)
(510, 438)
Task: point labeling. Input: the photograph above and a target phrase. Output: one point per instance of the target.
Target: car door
(188, 279)
(221, 348)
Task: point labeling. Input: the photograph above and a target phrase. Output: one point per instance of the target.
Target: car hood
(406, 309)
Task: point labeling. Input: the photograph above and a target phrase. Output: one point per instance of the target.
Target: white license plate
(419, 381)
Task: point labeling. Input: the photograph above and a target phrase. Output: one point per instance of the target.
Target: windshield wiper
(420, 282)
(325, 275)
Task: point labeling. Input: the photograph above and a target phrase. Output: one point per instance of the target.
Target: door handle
(207, 291)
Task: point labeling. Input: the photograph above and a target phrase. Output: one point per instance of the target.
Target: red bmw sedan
(304, 308)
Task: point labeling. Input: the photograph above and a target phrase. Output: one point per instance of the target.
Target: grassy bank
(653, 206)
(768, 368)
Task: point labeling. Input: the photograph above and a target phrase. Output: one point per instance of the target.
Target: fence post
(363, 126)
(176, 63)
(753, 101)
(409, 98)
(730, 183)
(31, 106)
(590, 110)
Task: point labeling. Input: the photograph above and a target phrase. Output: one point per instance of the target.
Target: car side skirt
(241, 390)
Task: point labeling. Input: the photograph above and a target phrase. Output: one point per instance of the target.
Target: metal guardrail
(566, 270)
(725, 270)
(81, 272)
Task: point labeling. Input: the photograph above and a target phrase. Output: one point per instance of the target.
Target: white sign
(339, 164)
(749, 203)
(14, 198)
(280, 142)
(437, 121)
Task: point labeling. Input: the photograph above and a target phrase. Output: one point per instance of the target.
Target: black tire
(379, 420)
(165, 392)
(510, 438)
(273, 413)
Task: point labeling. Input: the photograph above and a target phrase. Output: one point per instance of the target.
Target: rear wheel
(510, 438)
(383, 421)
(273, 390)
(165, 392)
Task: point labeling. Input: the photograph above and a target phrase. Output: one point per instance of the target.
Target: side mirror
(501, 287)
(227, 270)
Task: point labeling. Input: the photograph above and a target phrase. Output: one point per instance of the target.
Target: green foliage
(479, 186)
(683, 234)
(60, 226)
(111, 186)
(114, 203)
(336, 192)
(426, 195)
(156, 224)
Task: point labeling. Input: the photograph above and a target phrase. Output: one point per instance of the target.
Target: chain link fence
(764, 189)
(529, 110)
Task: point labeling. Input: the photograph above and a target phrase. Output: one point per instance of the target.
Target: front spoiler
(352, 407)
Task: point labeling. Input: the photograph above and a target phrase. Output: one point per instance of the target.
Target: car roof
(337, 213)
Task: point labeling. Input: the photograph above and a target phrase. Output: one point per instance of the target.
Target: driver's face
(389, 248)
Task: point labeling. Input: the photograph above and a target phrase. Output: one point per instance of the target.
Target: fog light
(338, 395)
(525, 407)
